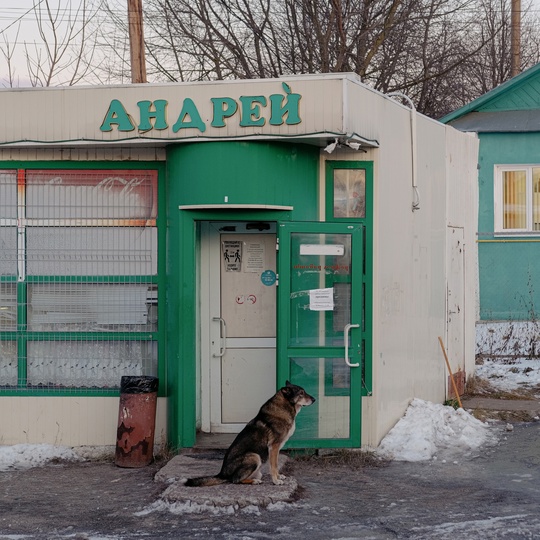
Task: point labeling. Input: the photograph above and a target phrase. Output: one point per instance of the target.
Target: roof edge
(492, 94)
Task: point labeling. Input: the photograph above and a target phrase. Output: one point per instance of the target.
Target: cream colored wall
(67, 421)
(73, 115)
(409, 270)
(462, 197)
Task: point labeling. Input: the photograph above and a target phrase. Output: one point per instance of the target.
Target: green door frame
(287, 350)
(183, 295)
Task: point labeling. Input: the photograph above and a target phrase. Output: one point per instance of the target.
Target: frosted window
(349, 193)
(92, 307)
(91, 194)
(8, 363)
(8, 306)
(8, 251)
(8, 194)
(88, 364)
(92, 251)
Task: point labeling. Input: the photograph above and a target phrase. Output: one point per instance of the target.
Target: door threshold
(213, 441)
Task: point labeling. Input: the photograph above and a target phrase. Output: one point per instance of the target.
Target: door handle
(223, 336)
(346, 338)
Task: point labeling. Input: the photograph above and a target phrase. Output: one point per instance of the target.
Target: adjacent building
(507, 122)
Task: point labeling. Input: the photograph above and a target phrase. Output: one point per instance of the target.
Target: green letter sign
(117, 115)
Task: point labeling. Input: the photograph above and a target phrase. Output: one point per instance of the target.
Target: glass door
(320, 328)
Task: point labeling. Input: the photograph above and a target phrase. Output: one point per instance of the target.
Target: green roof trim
(488, 101)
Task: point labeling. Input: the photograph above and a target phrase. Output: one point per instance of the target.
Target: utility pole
(515, 37)
(136, 41)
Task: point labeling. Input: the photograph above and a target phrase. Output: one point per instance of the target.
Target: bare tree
(442, 53)
(8, 51)
(64, 48)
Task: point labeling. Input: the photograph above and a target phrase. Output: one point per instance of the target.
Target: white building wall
(462, 204)
(410, 253)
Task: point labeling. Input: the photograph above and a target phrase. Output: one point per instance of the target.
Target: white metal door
(239, 356)
(456, 298)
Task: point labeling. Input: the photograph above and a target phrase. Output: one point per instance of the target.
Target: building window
(517, 199)
(78, 278)
(346, 190)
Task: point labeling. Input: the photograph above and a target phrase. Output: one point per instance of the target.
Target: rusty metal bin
(136, 421)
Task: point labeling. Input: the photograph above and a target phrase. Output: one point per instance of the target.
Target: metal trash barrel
(136, 421)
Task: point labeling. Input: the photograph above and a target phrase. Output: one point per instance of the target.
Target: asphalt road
(494, 494)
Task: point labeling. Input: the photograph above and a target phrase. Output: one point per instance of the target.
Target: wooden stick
(451, 374)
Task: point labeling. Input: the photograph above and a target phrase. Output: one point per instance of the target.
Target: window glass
(536, 198)
(92, 307)
(98, 364)
(514, 199)
(8, 363)
(8, 194)
(320, 288)
(349, 193)
(8, 306)
(8, 251)
(92, 251)
(91, 195)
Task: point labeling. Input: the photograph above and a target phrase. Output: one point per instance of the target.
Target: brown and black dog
(260, 441)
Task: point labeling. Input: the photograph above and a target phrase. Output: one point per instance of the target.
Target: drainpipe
(416, 194)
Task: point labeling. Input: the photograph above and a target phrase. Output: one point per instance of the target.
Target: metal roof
(499, 121)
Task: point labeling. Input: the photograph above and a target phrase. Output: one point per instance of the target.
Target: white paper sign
(254, 257)
(321, 299)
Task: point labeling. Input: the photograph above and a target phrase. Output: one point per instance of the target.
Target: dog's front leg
(277, 478)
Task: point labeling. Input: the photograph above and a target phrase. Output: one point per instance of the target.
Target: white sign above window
(336, 250)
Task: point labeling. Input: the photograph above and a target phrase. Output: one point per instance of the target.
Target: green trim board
(367, 221)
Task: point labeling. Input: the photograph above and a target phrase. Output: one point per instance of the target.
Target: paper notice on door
(321, 299)
(254, 261)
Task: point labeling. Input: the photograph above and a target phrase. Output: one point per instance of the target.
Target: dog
(260, 440)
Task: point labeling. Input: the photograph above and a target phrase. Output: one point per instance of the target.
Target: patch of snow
(187, 507)
(428, 429)
(26, 456)
(509, 375)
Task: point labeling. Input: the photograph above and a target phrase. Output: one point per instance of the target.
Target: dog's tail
(201, 481)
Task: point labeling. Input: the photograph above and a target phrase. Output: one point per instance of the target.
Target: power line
(21, 17)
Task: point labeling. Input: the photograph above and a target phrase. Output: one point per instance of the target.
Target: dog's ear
(287, 390)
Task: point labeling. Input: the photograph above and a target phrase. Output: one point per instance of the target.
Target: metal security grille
(78, 278)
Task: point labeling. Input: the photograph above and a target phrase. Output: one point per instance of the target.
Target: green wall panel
(245, 173)
(509, 280)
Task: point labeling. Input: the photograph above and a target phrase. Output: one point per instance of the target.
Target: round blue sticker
(268, 277)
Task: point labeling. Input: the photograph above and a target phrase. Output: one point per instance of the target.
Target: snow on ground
(26, 456)
(510, 374)
(427, 430)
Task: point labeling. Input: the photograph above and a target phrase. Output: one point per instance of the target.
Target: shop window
(78, 278)
(517, 199)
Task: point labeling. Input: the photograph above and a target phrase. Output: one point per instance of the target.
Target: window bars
(78, 278)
